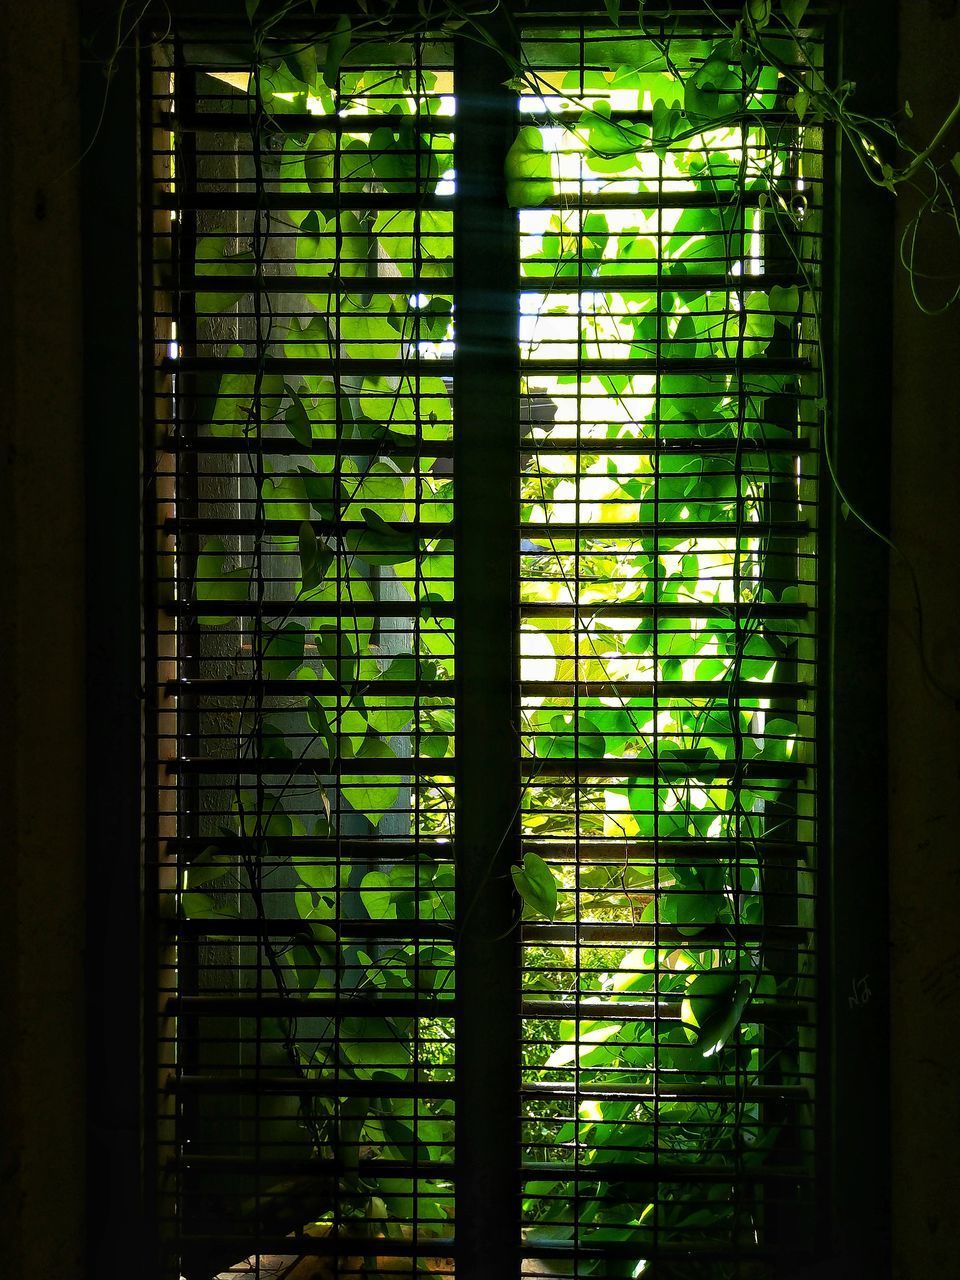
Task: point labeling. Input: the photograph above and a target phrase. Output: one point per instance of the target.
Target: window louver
(482, 457)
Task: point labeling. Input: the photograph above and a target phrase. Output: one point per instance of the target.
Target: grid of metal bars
(412, 325)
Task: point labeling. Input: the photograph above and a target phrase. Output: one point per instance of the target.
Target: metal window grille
(482, 459)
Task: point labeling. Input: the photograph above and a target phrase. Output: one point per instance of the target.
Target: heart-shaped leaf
(535, 883)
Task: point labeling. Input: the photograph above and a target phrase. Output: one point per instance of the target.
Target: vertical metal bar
(111, 413)
(855, 942)
(486, 437)
(159, 655)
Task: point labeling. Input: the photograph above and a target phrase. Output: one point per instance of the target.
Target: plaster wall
(924, 728)
(42, 637)
(42, 1048)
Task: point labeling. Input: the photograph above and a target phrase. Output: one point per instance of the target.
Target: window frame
(853, 927)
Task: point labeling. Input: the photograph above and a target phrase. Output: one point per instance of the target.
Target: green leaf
(213, 582)
(283, 652)
(337, 47)
(714, 91)
(274, 742)
(318, 165)
(434, 745)
(297, 419)
(401, 161)
(722, 1020)
(748, 332)
(536, 885)
(690, 912)
(665, 122)
(793, 10)
(784, 299)
(337, 652)
(210, 865)
(369, 332)
(408, 406)
(319, 490)
(381, 543)
(320, 876)
(284, 499)
(200, 906)
(612, 146)
(374, 1046)
(313, 557)
(759, 12)
(613, 11)
(376, 894)
(955, 161)
(312, 341)
(234, 409)
(529, 170)
(280, 90)
(213, 261)
(371, 794)
(586, 1048)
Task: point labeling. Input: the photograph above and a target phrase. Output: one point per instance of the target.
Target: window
(483, 456)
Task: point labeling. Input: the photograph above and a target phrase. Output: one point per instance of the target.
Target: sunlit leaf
(535, 883)
(216, 259)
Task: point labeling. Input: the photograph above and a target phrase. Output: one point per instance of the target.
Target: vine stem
(923, 156)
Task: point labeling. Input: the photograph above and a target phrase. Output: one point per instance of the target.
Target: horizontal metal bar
(775, 690)
(296, 201)
(430, 529)
(303, 688)
(398, 767)
(633, 1171)
(740, 452)
(376, 848)
(636, 1170)
(442, 368)
(666, 770)
(305, 282)
(659, 282)
(712, 689)
(609, 1010)
(668, 849)
(305, 1246)
(656, 529)
(650, 1249)
(308, 1246)
(268, 1006)
(413, 610)
(665, 1008)
(746, 611)
(310, 1170)
(384, 444)
(300, 121)
(241, 525)
(566, 201)
(379, 930)
(239, 1086)
(538, 934)
(614, 851)
(309, 609)
(295, 122)
(666, 1089)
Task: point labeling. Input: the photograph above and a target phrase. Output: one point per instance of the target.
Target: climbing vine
(687, 408)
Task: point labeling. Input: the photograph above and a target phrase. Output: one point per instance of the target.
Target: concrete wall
(924, 725)
(41, 636)
(41, 679)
